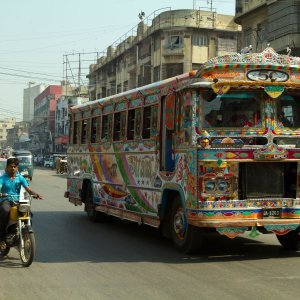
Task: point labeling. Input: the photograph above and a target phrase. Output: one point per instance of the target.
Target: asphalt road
(77, 259)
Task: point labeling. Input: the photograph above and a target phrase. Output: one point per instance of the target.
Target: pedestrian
(58, 165)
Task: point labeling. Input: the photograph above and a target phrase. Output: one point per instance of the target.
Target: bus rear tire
(291, 240)
(186, 238)
(92, 214)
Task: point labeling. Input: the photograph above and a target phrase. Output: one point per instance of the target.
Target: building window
(125, 86)
(248, 37)
(199, 40)
(119, 88)
(156, 73)
(261, 32)
(174, 42)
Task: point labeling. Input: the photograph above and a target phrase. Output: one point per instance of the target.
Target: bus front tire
(186, 238)
(291, 240)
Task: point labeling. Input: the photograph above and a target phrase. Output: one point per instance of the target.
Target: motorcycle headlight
(209, 186)
(223, 186)
(24, 207)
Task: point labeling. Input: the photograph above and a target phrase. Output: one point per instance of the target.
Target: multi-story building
(61, 121)
(269, 21)
(28, 99)
(176, 41)
(43, 124)
(5, 124)
(18, 136)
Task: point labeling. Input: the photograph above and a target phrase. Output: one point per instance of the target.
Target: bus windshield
(232, 110)
(25, 160)
(288, 110)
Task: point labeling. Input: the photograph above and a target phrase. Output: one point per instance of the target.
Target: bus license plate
(272, 212)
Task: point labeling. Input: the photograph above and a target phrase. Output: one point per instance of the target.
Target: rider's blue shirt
(12, 187)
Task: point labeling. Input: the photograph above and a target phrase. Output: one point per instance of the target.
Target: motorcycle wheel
(27, 253)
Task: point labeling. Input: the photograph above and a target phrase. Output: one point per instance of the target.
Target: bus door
(167, 157)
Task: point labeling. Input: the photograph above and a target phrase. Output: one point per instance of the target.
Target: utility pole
(79, 71)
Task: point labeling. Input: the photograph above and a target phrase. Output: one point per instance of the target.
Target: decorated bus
(212, 150)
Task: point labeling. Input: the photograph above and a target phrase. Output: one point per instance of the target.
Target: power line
(28, 72)
(30, 77)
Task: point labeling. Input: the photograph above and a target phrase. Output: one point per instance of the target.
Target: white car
(48, 163)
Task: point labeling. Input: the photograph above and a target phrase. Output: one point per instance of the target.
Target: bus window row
(119, 126)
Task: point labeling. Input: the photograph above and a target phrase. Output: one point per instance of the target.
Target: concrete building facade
(5, 125)
(43, 124)
(273, 22)
(174, 42)
(28, 99)
(18, 136)
(61, 121)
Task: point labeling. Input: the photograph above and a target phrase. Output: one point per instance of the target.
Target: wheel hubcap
(179, 224)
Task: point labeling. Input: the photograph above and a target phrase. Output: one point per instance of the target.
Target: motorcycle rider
(10, 183)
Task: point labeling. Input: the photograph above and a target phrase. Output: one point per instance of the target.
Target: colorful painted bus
(212, 150)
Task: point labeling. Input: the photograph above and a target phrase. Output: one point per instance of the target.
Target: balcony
(173, 52)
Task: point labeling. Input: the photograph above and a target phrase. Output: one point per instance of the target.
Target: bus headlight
(209, 186)
(223, 186)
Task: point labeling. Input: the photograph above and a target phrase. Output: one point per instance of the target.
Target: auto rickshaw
(25, 163)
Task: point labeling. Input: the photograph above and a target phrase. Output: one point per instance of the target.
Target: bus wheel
(186, 238)
(291, 240)
(93, 215)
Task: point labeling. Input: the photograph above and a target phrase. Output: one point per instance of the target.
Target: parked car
(48, 162)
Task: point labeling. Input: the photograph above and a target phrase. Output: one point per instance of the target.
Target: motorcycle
(63, 167)
(19, 232)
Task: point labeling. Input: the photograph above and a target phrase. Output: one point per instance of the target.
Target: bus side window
(106, 127)
(94, 130)
(98, 138)
(123, 125)
(130, 124)
(75, 132)
(117, 127)
(84, 131)
(147, 122)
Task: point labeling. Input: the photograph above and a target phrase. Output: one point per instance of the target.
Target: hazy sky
(36, 36)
